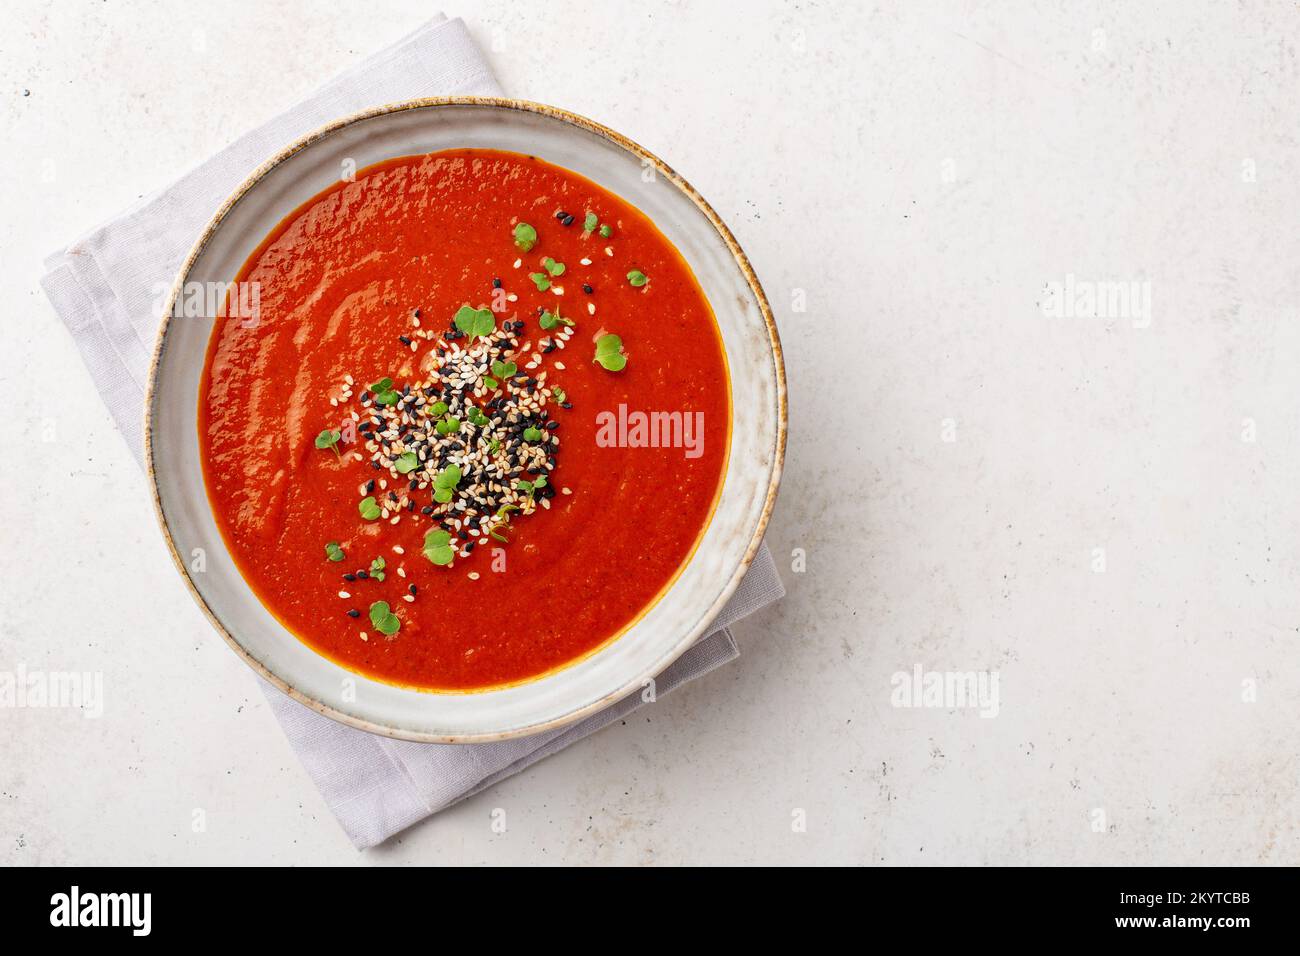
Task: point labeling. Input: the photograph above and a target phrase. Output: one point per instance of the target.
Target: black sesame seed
(404, 340)
(363, 575)
(354, 613)
(412, 588)
(567, 221)
(496, 283)
(587, 288)
(349, 577)
(561, 215)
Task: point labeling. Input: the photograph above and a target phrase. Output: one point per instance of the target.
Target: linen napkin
(105, 288)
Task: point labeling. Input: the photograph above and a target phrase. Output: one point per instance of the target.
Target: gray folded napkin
(106, 289)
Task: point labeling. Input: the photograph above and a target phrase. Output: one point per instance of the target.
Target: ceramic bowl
(681, 615)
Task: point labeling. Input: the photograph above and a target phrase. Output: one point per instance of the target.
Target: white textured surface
(921, 173)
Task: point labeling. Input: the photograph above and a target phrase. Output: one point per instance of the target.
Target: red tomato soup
(477, 427)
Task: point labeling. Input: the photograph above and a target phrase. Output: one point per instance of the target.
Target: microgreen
(476, 417)
(448, 426)
(475, 323)
(369, 508)
(541, 280)
(550, 320)
(530, 487)
(495, 445)
(490, 382)
(637, 278)
(525, 237)
(590, 223)
(383, 619)
(406, 463)
(445, 482)
(504, 369)
(559, 394)
(502, 521)
(609, 353)
(385, 394)
(329, 439)
(605, 231)
(437, 547)
(377, 569)
(334, 552)
(556, 269)
(532, 434)
(437, 409)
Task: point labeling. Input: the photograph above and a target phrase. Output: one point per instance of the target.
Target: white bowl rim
(742, 261)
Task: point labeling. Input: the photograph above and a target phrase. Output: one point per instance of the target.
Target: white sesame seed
(397, 549)
(565, 491)
(344, 595)
(591, 308)
(585, 262)
(401, 572)
(559, 366)
(473, 575)
(518, 263)
(408, 598)
(557, 290)
(512, 297)
(609, 250)
(365, 636)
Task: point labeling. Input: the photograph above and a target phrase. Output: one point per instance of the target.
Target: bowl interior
(679, 618)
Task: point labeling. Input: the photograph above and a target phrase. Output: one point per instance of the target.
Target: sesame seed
(344, 595)
(473, 575)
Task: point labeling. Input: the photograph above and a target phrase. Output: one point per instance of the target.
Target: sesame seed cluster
(453, 446)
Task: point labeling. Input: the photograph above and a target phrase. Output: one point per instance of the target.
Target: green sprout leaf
(383, 619)
(437, 547)
(384, 392)
(531, 487)
(475, 323)
(525, 237)
(329, 439)
(406, 463)
(502, 522)
(532, 434)
(333, 552)
(437, 409)
(609, 353)
(637, 278)
(541, 280)
(556, 269)
(590, 223)
(445, 482)
(550, 320)
(504, 369)
(448, 426)
(490, 382)
(559, 395)
(377, 569)
(369, 508)
(605, 231)
(476, 417)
